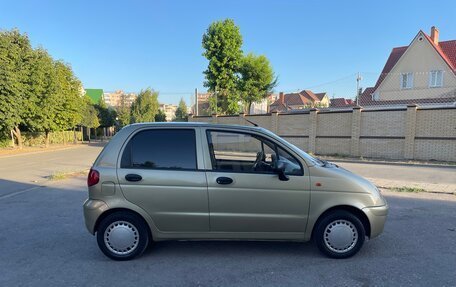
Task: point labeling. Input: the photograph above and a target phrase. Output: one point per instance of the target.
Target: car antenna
(250, 122)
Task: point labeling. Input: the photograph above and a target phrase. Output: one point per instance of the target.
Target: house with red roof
(298, 101)
(341, 103)
(422, 72)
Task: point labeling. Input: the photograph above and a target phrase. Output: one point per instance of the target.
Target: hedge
(38, 138)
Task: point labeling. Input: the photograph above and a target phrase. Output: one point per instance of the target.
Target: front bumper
(377, 218)
(93, 208)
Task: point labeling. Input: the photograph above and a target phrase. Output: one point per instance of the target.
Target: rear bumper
(93, 208)
(377, 218)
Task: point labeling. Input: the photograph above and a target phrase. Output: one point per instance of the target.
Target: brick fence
(405, 133)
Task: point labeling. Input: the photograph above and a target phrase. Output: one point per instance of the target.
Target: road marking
(14, 193)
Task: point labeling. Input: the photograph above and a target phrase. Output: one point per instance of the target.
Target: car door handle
(224, 180)
(133, 177)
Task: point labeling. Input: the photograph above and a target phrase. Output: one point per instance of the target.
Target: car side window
(173, 149)
(243, 152)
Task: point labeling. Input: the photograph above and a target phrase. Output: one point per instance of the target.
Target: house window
(436, 78)
(406, 80)
(376, 96)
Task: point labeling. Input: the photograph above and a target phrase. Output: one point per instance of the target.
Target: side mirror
(280, 170)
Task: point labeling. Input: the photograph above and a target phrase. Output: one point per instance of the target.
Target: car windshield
(302, 153)
(307, 156)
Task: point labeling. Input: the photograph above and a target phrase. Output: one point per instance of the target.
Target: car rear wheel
(122, 236)
(340, 234)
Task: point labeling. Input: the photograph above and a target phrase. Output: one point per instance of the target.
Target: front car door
(161, 171)
(245, 193)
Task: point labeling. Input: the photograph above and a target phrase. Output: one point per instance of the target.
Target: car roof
(195, 124)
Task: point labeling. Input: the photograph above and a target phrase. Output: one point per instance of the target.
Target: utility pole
(358, 79)
(196, 101)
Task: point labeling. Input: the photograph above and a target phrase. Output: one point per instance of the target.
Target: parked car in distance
(187, 181)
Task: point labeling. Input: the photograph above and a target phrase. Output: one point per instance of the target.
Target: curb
(392, 163)
(391, 189)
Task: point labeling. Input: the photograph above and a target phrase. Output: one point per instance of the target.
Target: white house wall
(420, 58)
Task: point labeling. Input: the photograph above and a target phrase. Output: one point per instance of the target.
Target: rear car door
(162, 172)
(245, 193)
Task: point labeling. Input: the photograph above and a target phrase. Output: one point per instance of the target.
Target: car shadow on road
(230, 248)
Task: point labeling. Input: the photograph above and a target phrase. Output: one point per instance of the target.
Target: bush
(5, 142)
(38, 138)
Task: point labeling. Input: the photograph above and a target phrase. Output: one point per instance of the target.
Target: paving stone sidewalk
(429, 187)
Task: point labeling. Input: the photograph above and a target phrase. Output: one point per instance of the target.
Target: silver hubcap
(121, 237)
(340, 236)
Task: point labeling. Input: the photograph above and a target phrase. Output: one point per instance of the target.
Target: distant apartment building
(423, 72)
(114, 99)
(169, 110)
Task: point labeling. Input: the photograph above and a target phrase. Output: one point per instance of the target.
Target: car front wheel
(122, 236)
(340, 234)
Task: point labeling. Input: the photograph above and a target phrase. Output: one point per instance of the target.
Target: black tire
(135, 224)
(347, 220)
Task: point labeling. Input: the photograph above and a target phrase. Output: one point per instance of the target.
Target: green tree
(145, 107)
(54, 94)
(123, 112)
(43, 99)
(257, 79)
(160, 116)
(89, 115)
(15, 54)
(70, 103)
(222, 44)
(181, 112)
(106, 115)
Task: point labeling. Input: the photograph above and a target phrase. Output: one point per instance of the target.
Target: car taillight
(93, 178)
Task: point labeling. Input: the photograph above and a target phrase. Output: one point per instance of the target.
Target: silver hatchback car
(187, 181)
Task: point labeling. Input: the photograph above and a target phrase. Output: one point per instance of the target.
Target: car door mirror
(280, 168)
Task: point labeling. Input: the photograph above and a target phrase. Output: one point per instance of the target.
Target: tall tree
(123, 112)
(145, 107)
(181, 112)
(15, 54)
(43, 99)
(69, 92)
(106, 115)
(257, 79)
(89, 115)
(222, 43)
(54, 94)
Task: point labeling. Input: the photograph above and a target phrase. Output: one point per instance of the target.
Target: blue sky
(131, 45)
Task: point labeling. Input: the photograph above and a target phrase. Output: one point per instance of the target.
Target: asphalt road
(19, 171)
(44, 243)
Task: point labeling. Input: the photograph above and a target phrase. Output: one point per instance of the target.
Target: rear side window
(161, 149)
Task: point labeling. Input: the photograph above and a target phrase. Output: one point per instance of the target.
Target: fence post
(214, 118)
(274, 122)
(355, 131)
(410, 130)
(313, 130)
